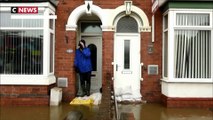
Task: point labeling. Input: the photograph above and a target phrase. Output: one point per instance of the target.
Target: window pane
(91, 28)
(51, 52)
(6, 21)
(21, 51)
(165, 22)
(192, 19)
(51, 22)
(126, 54)
(32, 22)
(127, 24)
(193, 53)
(165, 54)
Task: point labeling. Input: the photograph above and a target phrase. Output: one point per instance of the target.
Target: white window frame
(171, 51)
(46, 78)
(163, 51)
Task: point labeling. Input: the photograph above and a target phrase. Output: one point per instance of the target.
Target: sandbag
(82, 101)
(93, 99)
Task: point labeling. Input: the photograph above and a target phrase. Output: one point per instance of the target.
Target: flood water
(143, 111)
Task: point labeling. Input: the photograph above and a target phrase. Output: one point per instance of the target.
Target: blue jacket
(82, 60)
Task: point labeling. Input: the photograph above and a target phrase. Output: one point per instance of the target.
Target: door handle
(116, 67)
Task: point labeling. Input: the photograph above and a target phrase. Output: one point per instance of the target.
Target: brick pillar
(104, 112)
(65, 62)
(108, 41)
(150, 86)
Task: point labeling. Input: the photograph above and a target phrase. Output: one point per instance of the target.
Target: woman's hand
(82, 44)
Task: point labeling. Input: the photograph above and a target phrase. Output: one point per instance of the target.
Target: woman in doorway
(83, 66)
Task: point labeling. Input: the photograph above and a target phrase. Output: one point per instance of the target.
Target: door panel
(127, 62)
(95, 45)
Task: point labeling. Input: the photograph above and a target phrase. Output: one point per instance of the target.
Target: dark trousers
(85, 79)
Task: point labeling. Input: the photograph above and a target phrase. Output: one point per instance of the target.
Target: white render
(187, 90)
(107, 17)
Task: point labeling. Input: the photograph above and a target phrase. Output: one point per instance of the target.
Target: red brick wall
(64, 62)
(187, 102)
(108, 40)
(39, 95)
(150, 86)
(24, 95)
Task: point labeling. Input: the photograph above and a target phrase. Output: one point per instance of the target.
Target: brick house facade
(60, 42)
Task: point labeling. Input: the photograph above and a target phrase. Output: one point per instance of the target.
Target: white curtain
(192, 19)
(193, 54)
(21, 48)
(192, 47)
(21, 51)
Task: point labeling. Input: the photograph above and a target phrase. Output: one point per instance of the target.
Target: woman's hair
(83, 41)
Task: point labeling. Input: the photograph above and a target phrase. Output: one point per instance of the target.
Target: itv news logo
(24, 10)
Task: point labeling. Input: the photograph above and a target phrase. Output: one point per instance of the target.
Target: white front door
(95, 45)
(127, 64)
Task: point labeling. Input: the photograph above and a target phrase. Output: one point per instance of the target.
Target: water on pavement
(140, 111)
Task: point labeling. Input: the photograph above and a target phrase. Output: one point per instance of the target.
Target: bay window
(188, 39)
(27, 45)
(187, 53)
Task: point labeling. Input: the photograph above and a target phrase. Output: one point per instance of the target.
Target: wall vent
(62, 82)
(153, 69)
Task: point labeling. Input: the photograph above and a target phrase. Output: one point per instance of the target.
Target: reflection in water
(140, 111)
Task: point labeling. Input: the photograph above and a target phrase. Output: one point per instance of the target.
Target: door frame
(99, 63)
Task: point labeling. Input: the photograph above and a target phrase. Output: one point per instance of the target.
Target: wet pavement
(144, 111)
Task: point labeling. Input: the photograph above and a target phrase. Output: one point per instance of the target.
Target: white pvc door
(95, 45)
(127, 63)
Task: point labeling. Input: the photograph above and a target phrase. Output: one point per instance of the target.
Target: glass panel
(126, 54)
(32, 22)
(165, 22)
(192, 19)
(193, 53)
(6, 21)
(91, 27)
(1, 52)
(21, 51)
(127, 24)
(51, 23)
(165, 62)
(51, 52)
(93, 50)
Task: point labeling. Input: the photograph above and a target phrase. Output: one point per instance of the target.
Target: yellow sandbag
(79, 101)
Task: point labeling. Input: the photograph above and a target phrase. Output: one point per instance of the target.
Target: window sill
(27, 80)
(183, 80)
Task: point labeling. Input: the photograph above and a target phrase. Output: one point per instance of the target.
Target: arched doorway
(89, 29)
(86, 20)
